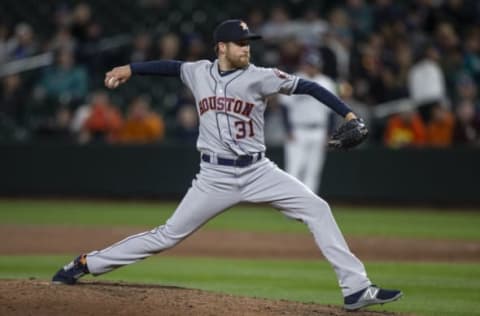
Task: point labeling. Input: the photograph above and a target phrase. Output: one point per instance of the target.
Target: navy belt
(241, 161)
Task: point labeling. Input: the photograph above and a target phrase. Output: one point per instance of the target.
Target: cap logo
(244, 26)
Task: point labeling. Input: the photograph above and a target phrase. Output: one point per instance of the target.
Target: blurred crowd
(418, 59)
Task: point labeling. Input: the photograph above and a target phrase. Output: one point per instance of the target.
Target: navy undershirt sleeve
(322, 95)
(157, 67)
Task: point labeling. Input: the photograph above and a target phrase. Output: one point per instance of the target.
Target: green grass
(430, 289)
(392, 222)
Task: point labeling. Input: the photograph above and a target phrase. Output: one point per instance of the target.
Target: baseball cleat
(73, 271)
(370, 296)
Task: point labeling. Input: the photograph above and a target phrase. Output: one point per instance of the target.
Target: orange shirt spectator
(104, 119)
(142, 124)
(440, 128)
(404, 130)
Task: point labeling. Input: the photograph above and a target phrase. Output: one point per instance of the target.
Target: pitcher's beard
(241, 62)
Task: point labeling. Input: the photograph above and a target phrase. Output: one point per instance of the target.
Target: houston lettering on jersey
(225, 104)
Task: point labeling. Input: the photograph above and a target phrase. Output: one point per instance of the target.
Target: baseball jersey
(231, 107)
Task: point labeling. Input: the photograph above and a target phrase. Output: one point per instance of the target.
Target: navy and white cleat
(370, 296)
(73, 271)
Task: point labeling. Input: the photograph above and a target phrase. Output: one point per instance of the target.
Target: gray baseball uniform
(234, 169)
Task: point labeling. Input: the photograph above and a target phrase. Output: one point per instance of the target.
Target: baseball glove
(349, 135)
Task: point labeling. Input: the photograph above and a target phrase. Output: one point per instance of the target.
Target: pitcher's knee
(317, 203)
(323, 205)
(318, 208)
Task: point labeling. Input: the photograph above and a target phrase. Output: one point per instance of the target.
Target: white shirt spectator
(426, 82)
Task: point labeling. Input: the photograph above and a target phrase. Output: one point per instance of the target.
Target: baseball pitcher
(230, 95)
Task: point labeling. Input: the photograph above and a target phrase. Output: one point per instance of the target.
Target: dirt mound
(33, 297)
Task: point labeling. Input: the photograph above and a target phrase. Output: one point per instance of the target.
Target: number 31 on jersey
(244, 129)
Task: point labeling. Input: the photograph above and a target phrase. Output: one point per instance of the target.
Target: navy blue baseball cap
(233, 31)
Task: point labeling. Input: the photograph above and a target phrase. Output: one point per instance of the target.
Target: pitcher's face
(237, 54)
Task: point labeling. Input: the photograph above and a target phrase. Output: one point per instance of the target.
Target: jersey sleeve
(275, 81)
(190, 70)
(157, 67)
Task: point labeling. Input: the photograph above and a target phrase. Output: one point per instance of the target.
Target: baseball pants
(217, 188)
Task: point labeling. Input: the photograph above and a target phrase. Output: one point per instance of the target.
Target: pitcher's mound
(34, 297)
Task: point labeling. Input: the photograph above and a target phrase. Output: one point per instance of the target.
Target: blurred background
(410, 68)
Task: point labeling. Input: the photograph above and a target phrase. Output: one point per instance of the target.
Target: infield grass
(429, 288)
(391, 222)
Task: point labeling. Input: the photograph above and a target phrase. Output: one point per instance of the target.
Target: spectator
(290, 54)
(403, 60)
(360, 15)
(310, 27)
(367, 43)
(62, 40)
(259, 52)
(389, 86)
(366, 72)
(195, 47)
(87, 33)
(141, 48)
(460, 13)
(63, 83)
(256, 19)
(104, 119)
(448, 43)
(168, 46)
(426, 82)
(467, 124)
(278, 26)
(405, 130)
(81, 22)
(4, 33)
(466, 90)
(471, 57)
(386, 11)
(327, 54)
(23, 44)
(142, 125)
(62, 16)
(12, 101)
(420, 20)
(56, 128)
(187, 123)
(79, 117)
(13, 123)
(440, 127)
(340, 40)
